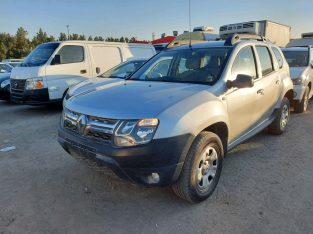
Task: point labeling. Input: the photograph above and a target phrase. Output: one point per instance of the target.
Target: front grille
(97, 128)
(18, 85)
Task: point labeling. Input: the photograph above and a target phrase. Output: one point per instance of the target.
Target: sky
(139, 18)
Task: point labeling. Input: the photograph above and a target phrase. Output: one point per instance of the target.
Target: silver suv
(300, 61)
(172, 121)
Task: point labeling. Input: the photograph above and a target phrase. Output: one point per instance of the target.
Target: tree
(74, 36)
(122, 39)
(62, 37)
(126, 39)
(90, 38)
(41, 37)
(22, 47)
(82, 37)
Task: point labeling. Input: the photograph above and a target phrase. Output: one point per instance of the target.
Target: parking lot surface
(266, 186)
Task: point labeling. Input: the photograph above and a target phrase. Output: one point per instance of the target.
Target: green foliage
(19, 45)
(62, 37)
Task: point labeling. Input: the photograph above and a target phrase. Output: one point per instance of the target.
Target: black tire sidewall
(213, 141)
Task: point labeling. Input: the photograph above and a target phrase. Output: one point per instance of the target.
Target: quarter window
(265, 60)
(71, 54)
(278, 56)
(245, 63)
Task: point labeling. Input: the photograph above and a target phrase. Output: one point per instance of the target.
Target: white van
(51, 68)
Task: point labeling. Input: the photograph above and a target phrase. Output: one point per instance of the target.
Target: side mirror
(242, 81)
(56, 60)
(311, 64)
(98, 70)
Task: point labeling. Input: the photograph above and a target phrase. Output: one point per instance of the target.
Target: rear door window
(265, 60)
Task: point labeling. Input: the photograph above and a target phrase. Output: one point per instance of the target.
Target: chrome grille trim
(90, 126)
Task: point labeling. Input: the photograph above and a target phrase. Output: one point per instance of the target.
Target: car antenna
(189, 25)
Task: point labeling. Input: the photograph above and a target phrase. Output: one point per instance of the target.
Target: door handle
(83, 71)
(260, 91)
(277, 82)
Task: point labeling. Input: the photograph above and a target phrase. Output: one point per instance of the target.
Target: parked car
(13, 62)
(5, 71)
(115, 74)
(51, 68)
(172, 121)
(300, 60)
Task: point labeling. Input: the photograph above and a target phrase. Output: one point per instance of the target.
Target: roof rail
(238, 37)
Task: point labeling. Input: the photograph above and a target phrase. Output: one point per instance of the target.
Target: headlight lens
(5, 83)
(297, 81)
(34, 83)
(135, 132)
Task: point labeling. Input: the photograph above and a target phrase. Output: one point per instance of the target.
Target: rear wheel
(280, 123)
(302, 106)
(202, 168)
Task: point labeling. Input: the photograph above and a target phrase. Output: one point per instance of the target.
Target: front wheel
(202, 168)
(280, 123)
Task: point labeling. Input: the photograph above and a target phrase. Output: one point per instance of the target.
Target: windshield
(123, 70)
(201, 66)
(297, 58)
(39, 55)
(4, 68)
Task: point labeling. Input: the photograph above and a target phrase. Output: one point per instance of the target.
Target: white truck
(51, 68)
(276, 33)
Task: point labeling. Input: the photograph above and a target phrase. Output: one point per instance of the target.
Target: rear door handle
(83, 71)
(260, 91)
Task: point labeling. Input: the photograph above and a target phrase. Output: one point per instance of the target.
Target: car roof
(201, 45)
(298, 48)
(219, 44)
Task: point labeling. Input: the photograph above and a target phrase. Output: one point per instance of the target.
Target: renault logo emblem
(81, 124)
(15, 84)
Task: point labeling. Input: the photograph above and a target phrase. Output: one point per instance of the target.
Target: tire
(302, 106)
(280, 123)
(195, 184)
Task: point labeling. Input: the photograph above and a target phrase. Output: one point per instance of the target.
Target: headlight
(5, 83)
(34, 83)
(135, 132)
(298, 81)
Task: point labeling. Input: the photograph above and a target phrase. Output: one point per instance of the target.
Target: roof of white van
(101, 42)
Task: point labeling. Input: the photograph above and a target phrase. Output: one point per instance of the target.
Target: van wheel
(302, 106)
(280, 123)
(202, 168)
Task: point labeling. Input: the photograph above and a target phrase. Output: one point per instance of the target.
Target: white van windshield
(39, 55)
(200, 66)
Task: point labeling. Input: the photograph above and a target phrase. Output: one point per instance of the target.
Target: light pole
(68, 32)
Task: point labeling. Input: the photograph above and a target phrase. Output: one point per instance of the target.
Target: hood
(90, 84)
(132, 99)
(27, 72)
(297, 72)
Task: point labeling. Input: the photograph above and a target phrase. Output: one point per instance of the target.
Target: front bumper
(32, 97)
(5, 93)
(163, 157)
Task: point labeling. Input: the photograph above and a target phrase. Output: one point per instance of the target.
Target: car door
(241, 102)
(72, 68)
(270, 80)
